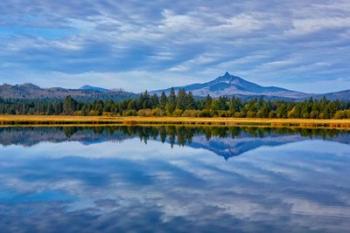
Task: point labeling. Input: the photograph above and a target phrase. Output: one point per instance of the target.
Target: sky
(135, 45)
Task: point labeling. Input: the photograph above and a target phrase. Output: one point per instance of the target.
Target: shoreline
(27, 120)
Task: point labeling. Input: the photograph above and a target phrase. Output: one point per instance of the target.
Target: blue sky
(137, 45)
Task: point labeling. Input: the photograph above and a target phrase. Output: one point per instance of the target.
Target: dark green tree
(69, 105)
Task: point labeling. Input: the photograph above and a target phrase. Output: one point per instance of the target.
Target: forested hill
(181, 104)
(87, 93)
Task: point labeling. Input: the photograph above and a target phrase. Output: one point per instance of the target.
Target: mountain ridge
(231, 85)
(225, 85)
(31, 91)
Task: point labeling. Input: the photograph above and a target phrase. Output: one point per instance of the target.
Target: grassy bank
(103, 120)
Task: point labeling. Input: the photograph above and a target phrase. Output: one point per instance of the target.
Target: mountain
(231, 147)
(93, 88)
(86, 93)
(340, 95)
(230, 85)
(226, 85)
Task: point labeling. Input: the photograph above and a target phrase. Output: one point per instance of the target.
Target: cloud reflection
(130, 186)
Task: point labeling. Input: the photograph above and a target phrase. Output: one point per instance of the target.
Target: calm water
(174, 179)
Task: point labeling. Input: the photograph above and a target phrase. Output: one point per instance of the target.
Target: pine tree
(189, 101)
(171, 105)
(69, 105)
(154, 101)
(181, 99)
(208, 102)
(163, 101)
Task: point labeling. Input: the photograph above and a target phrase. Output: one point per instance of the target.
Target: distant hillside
(93, 88)
(86, 93)
(341, 95)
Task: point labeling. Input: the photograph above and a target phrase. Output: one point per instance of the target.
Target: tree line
(184, 104)
(180, 135)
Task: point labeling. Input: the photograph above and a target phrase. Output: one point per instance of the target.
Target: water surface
(174, 179)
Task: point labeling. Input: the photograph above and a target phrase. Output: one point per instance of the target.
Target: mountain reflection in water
(223, 141)
(174, 179)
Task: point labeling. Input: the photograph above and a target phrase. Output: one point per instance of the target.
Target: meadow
(8, 120)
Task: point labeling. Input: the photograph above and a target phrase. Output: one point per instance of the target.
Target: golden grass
(108, 120)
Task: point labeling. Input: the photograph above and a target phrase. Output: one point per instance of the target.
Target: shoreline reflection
(133, 179)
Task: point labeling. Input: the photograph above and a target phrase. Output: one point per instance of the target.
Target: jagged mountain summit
(230, 85)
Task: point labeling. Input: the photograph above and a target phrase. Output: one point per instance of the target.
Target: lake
(174, 179)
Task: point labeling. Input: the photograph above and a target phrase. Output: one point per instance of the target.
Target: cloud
(193, 41)
(312, 25)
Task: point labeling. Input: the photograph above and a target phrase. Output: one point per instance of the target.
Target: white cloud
(175, 22)
(242, 23)
(181, 42)
(311, 25)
